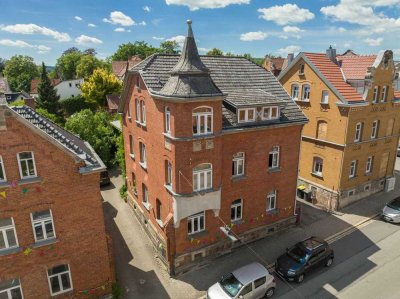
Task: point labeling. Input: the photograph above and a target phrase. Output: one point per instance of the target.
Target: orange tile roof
(35, 83)
(355, 67)
(397, 94)
(333, 74)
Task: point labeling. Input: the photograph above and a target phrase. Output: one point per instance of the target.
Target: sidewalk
(141, 277)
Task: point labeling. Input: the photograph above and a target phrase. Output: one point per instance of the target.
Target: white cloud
(35, 29)
(158, 38)
(374, 42)
(283, 36)
(251, 36)
(347, 45)
(142, 23)
(286, 14)
(121, 29)
(342, 29)
(180, 39)
(91, 25)
(289, 49)
(21, 44)
(156, 21)
(119, 18)
(204, 50)
(78, 18)
(292, 29)
(84, 40)
(147, 8)
(197, 4)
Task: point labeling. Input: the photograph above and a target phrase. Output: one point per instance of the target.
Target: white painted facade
(69, 88)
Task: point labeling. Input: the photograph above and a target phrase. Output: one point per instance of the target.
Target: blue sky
(43, 29)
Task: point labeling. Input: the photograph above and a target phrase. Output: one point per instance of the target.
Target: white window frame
(305, 90)
(25, 160)
(269, 109)
(129, 109)
(2, 168)
(143, 156)
(275, 153)
(42, 223)
(145, 198)
(3, 230)
(234, 206)
(207, 177)
(318, 165)
(58, 275)
(295, 88)
(169, 174)
(384, 94)
(207, 119)
(351, 192)
(374, 129)
(271, 201)
(325, 97)
(369, 165)
(137, 112)
(358, 132)
(246, 115)
(301, 69)
(9, 289)
(143, 112)
(192, 218)
(167, 115)
(238, 158)
(375, 95)
(353, 169)
(131, 146)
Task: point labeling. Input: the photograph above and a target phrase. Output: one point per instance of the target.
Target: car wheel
(269, 293)
(300, 278)
(329, 262)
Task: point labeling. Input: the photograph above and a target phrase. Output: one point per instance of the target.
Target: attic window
(270, 113)
(301, 69)
(247, 115)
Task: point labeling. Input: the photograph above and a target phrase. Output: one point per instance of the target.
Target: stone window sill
(143, 165)
(198, 234)
(8, 251)
(160, 223)
(352, 177)
(31, 180)
(132, 156)
(238, 177)
(274, 169)
(4, 184)
(237, 221)
(45, 242)
(318, 175)
(169, 188)
(147, 205)
(273, 211)
(368, 173)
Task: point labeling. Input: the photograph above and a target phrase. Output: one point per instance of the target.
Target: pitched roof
(119, 67)
(332, 73)
(278, 62)
(397, 94)
(112, 101)
(232, 75)
(35, 83)
(69, 141)
(4, 87)
(354, 67)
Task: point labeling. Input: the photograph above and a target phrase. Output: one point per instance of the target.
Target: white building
(65, 89)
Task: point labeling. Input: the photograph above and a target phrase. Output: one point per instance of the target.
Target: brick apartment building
(349, 146)
(52, 234)
(210, 142)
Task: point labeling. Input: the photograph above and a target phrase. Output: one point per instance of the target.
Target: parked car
(252, 281)
(304, 257)
(104, 178)
(398, 151)
(391, 212)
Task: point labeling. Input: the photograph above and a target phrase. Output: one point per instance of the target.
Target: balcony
(189, 204)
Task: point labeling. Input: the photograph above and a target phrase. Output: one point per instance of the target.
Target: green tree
(87, 64)
(57, 119)
(20, 70)
(97, 86)
(48, 98)
(66, 64)
(169, 47)
(73, 105)
(140, 48)
(2, 65)
(215, 52)
(96, 129)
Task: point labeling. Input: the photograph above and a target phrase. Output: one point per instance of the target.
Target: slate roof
(68, 140)
(112, 101)
(251, 97)
(354, 67)
(231, 74)
(331, 71)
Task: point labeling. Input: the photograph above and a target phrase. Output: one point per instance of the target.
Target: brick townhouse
(52, 234)
(210, 142)
(349, 146)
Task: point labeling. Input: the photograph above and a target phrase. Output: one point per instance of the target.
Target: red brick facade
(179, 249)
(75, 203)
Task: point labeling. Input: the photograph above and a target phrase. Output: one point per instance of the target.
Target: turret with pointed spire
(189, 78)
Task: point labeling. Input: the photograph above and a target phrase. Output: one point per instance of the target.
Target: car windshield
(231, 285)
(298, 253)
(395, 204)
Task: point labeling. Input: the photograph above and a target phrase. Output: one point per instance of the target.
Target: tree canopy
(87, 64)
(20, 70)
(140, 48)
(2, 65)
(48, 98)
(170, 47)
(215, 52)
(98, 85)
(66, 64)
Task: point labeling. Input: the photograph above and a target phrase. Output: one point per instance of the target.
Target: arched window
(202, 121)
(305, 94)
(131, 151)
(137, 114)
(236, 210)
(322, 129)
(143, 159)
(167, 117)
(2, 171)
(202, 177)
(143, 111)
(168, 173)
(295, 92)
(129, 109)
(318, 164)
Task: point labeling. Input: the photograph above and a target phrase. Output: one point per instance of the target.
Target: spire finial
(190, 31)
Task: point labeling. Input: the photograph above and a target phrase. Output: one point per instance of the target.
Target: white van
(252, 281)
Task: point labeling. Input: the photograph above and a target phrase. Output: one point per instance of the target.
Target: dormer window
(270, 113)
(301, 69)
(247, 115)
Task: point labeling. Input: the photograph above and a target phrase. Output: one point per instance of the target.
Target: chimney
(331, 54)
(30, 102)
(290, 58)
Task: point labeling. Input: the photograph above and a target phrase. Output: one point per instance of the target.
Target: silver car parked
(252, 281)
(391, 212)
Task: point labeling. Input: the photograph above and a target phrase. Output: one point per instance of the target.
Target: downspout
(339, 189)
(298, 168)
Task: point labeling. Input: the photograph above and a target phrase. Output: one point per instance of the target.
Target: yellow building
(349, 146)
